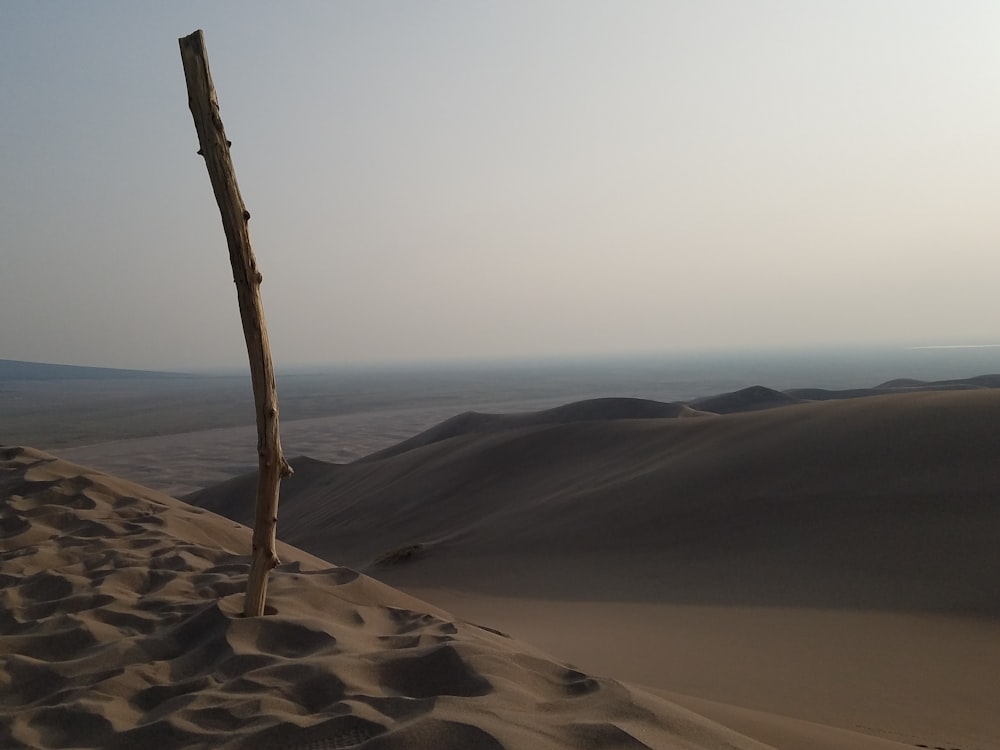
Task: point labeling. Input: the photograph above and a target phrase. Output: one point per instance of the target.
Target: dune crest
(589, 410)
(119, 628)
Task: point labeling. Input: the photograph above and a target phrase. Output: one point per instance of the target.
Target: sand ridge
(119, 628)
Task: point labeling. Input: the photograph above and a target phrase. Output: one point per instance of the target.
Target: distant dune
(754, 398)
(898, 385)
(900, 490)
(980, 381)
(758, 397)
(591, 410)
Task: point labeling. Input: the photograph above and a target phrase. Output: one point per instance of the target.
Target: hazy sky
(469, 178)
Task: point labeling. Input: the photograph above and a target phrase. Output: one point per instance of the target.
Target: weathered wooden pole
(204, 106)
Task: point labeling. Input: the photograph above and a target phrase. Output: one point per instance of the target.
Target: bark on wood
(215, 148)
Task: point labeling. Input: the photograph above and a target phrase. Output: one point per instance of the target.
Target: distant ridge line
(595, 409)
(752, 398)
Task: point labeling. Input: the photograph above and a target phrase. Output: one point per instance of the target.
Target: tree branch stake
(204, 106)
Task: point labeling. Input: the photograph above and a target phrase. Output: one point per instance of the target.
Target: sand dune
(179, 462)
(817, 576)
(832, 562)
(758, 397)
(119, 629)
(754, 398)
(891, 501)
(590, 410)
(978, 381)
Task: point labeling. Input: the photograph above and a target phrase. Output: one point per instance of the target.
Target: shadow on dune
(885, 502)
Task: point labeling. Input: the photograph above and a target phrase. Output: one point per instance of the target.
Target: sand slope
(754, 398)
(887, 502)
(832, 562)
(590, 410)
(118, 629)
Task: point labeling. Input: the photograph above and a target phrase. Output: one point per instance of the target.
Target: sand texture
(119, 629)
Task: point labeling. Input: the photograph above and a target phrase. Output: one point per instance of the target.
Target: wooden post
(204, 106)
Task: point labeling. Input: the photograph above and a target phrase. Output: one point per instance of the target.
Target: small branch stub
(214, 146)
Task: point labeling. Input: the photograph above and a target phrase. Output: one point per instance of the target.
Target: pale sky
(468, 178)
